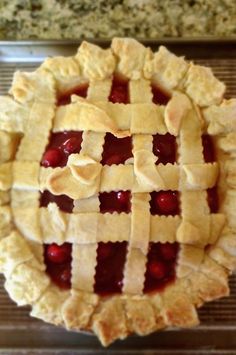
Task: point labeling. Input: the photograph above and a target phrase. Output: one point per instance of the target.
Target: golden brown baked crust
(196, 107)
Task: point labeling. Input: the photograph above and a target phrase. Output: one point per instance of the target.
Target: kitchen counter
(75, 19)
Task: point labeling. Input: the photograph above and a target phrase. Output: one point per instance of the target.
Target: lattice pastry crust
(207, 240)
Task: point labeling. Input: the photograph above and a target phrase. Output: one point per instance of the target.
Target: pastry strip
(135, 266)
(83, 272)
(36, 132)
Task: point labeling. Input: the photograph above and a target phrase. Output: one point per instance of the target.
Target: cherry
(114, 159)
(61, 144)
(65, 277)
(164, 147)
(160, 266)
(52, 158)
(168, 251)
(208, 149)
(60, 275)
(105, 250)
(71, 145)
(58, 253)
(114, 202)
(157, 269)
(123, 197)
(58, 262)
(165, 203)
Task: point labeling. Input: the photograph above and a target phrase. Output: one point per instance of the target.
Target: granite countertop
(70, 19)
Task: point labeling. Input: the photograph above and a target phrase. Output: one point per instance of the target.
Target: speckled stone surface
(70, 19)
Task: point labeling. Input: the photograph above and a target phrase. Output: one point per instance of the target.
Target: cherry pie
(117, 190)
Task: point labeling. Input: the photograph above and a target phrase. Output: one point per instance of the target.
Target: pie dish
(117, 190)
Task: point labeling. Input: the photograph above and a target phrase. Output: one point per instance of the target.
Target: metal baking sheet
(21, 334)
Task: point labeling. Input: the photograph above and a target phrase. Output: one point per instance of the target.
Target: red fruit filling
(110, 268)
(115, 202)
(64, 202)
(105, 251)
(60, 274)
(213, 200)
(209, 157)
(157, 269)
(208, 149)
(159, 96)
(59, 254)
(60, 146)
(52, 158)
(168, 251)
(58, 264)
(65, 98)
(119, 90)
(71, 145)
(111, 258)
(164, 147)
(164, 203)
(116, 150)
(160, 266)
(123, 197)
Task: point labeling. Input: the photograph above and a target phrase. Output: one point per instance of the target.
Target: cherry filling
(208, 149)
(116, 150)
(209, 157)
(164, 203)
(115, 202)
(110, 267)
(58, 264)
(65, 97)
(165, 147)
(111, 258)
(160, 266)
(119, 91)
(159, 96)
(64, 202)
(213, 200)
(61, 145)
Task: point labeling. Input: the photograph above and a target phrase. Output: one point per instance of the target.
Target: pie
(117, 190)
